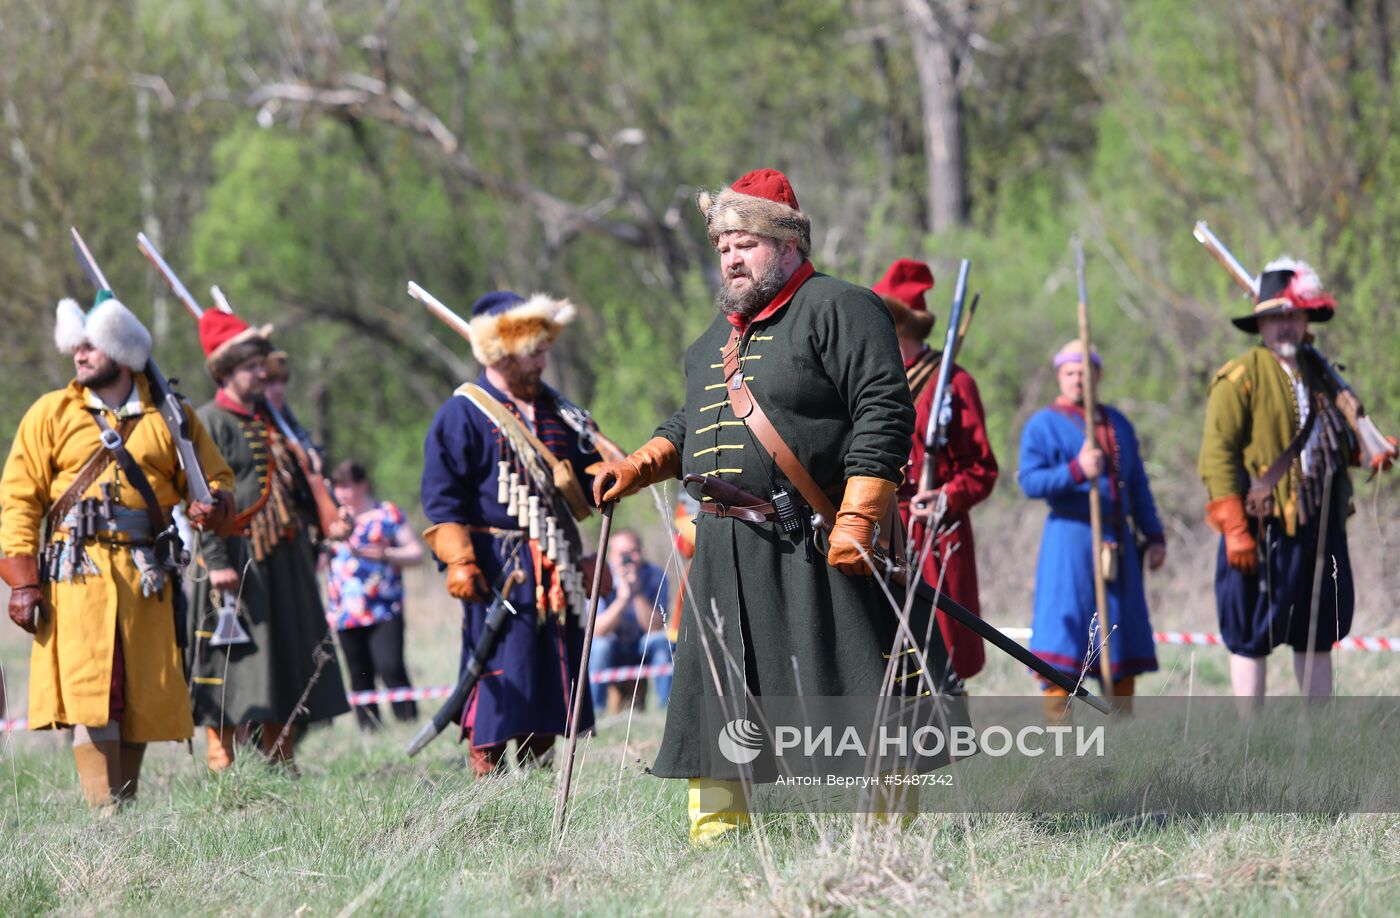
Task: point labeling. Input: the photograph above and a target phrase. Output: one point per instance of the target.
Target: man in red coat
(965, 469)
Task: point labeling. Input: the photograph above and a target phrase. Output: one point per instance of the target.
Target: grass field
(366, 830)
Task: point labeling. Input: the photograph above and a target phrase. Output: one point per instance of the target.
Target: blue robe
(1064, 584)
(524, 689)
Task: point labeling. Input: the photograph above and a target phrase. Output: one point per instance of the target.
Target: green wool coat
(281, 608)
(1251, 417)
(827, 371)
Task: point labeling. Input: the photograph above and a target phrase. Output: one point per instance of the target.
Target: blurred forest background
(310, 158)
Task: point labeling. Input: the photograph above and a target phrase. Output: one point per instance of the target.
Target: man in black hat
(1274, 459)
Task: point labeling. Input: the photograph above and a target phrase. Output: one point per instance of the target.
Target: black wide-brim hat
(1280, 294)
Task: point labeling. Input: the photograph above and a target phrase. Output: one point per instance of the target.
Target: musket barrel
(439, 309)
(176, 286)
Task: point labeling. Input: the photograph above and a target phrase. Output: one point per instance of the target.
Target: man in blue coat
(503, 482)
(1059, 465)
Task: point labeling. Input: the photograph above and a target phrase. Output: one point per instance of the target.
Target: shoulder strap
(561, 471)
(747, 409)
(1280, 466)
(924, 370)
(91, 470)
(115, 443)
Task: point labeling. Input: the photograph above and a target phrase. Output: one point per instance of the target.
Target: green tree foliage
(312, 160)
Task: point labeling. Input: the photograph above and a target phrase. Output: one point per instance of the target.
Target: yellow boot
(716, 807)
(220, 753)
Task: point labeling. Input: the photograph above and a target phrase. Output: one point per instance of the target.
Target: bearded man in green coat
(285, 674)
(766, 613)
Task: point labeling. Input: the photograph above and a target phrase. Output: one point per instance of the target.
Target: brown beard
(101, 377)
(521, 383)
(750, 303)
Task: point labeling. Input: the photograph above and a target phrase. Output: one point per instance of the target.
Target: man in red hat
(965, 469)
(267, 571)
(793, 395)
(80, 521)
(1274, 460)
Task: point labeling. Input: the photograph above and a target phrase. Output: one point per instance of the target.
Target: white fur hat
(110, 327)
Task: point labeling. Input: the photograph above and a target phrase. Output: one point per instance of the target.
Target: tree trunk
(941, 108)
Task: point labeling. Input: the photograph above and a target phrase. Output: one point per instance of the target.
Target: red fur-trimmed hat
(902, 288)
(228, 341)
(761, 202)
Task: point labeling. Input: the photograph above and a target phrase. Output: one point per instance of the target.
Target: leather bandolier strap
(89, 473)
(747, 409)
(562, 472)
(1258, 503)
(116, 445)
(890, 541)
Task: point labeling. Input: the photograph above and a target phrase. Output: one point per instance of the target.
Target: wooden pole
(1095, 501)
(581, 684)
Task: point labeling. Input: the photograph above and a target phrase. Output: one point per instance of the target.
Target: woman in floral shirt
(366, 590)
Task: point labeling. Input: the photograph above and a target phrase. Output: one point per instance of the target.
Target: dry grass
(365, 830)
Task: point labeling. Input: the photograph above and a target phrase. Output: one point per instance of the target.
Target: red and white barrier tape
(1202, 638)
(631, 673)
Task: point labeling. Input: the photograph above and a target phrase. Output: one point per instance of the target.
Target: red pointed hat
(902, 288)
(907, 281)
(761, 202)
(228, 341)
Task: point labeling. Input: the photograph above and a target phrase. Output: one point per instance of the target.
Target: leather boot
(1056, 703)
(221, 743)
(277, 743)
(99, 772)
(1123, 695)
(486, 760)
(131, 756)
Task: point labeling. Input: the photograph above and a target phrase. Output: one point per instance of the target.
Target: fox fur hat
(506, 324)
(761, 202)
(109, 326)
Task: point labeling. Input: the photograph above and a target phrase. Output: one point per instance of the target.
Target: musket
(451, 710)
(934, 432)
(1086, 347)
(1376, 448)
(576, 417)
(732, 495)
(327, 511)
(172, 410)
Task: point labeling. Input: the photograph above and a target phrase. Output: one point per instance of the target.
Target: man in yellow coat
(85, 574)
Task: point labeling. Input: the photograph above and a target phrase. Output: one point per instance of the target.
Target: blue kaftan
(1064, 611)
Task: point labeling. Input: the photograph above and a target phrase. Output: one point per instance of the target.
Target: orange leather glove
(1226, 516)
(863, 506)
(453, 546)
(26, 601)
(657, 460)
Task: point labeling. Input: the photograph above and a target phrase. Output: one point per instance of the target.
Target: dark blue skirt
(1261, 611)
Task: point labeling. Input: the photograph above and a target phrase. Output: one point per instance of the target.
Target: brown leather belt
(758, 513)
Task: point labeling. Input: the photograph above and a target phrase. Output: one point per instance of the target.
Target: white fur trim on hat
(115, 331)
(521, 330)
(68, 327)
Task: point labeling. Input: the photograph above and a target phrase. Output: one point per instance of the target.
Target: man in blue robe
(492, 517)
(1059, 465)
